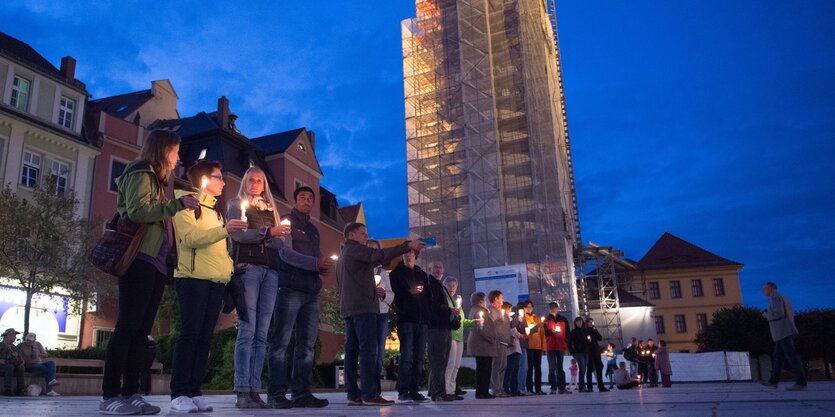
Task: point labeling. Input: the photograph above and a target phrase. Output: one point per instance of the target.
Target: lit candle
(521, 312)
(334, 257)
(203, 184)
(559, 329)
(529, 328)
(510, 313)
(481, 314)
(285, 222)
(377, 280)
(588, 338)
(458, 301)
(244, 205)
(542, 318)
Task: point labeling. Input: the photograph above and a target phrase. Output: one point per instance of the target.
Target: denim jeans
(200, 301)
(299, 310)
(47, 369)
(784, 351)
(382, 335)
(361, 343)
(595, 366)
(523, 370)
(412, 351)
(140, 292)
(10, 371)
(260, 286)
(511, 374)
(556, 373)
(582, 359)
(439, 340)
(533, 380)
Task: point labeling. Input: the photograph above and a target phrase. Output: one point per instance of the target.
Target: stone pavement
(711, 399)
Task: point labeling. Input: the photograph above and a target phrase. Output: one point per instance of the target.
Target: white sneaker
(53, 394)
(202, 405)
(53, 382)
(183, 404)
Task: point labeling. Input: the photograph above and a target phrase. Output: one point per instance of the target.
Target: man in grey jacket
(359, 307)
(780, 318)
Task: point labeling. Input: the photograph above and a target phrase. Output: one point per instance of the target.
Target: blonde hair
(155, 152)
(265, 193)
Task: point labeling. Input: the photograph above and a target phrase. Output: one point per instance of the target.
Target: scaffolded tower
(489, 163)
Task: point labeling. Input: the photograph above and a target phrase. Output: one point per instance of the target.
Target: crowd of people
(269, 270)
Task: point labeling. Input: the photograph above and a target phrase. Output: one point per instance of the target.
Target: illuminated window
(66, 111)
(696, 285)
(301, 147)
(675, 289)
(20, 93)
(718, 287)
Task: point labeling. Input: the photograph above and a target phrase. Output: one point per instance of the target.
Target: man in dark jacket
(409, 284)
(593, 337)
(359, 306)
(651, 370)
(442, 311)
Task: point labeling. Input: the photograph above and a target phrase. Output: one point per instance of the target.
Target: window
(659, 324)
(66, 111)
(718, 287)
(61, 172)
(675, 289)
(20, 93)
(681, 325)
(301, 147)
(654, 291)
(701, 322)
(116, 169)
(696, 284)
(101, 337)
(31, 169)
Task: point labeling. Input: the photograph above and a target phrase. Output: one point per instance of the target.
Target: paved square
(713, 399)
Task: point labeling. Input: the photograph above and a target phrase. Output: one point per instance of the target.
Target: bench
(90, 383)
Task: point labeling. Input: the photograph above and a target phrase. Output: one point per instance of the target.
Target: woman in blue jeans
(578, 346)
(253, 252)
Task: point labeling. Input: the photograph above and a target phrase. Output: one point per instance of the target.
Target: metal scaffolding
(488, 160)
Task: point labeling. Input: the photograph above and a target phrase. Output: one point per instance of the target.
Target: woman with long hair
(141, 198)
(254, 253)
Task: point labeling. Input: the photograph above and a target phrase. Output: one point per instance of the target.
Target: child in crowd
(611, 364)
(623, 379)
(573, 370)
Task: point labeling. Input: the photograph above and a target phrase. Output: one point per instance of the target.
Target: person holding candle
(409, 283)
(254, 250)
(595, 362)
(481, 344)
(203, 270)
(556, 329)
(297, 307)
(384, 286)
(652, 370)
(578, 347)
(504, 338)
(443, 318)
(456, 346)
(359, 307)
(513, 352)
(536, 344)
(141, 199)
(521, 327)
(643, 363)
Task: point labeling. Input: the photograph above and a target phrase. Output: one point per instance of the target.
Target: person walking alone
(780, 316)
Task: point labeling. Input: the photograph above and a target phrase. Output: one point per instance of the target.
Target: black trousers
(439, 341)
(200, 303)
(483, 371)
(595, 366)
(533, 379)
(140, 292)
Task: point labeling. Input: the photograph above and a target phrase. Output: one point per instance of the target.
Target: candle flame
(285, 222)
(334, 257)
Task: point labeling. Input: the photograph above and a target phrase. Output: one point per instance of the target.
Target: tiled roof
(19, 50)
(671, 252)
(278, 142)
(349, 213)
(123, 104)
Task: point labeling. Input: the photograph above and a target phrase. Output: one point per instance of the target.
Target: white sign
(511, 280)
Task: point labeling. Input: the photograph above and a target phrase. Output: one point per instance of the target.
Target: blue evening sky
(713, 120)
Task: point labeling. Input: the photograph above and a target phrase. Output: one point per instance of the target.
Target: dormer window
(202, 154)
(66, 112)
(301, 147)
(122, 108)
(20, 93)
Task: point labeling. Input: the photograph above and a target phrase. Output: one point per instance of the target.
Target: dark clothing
(254, 253)
(140, 292)
(160, 261)
(305, 237)
(361, 343)
(628, 385)
(296, 313)
(595, 366)
(411, 308)
(556, 373)
(355, 273)
(440, 305)
(439, 341)
(412, 351)
(577, 343)
(534, 377)
(511, 374)
(593, 337)
(200, 301)
(784, 350)
(483, 371)
(13, 366)
(582, 363)
(382, 334)
(45, 369)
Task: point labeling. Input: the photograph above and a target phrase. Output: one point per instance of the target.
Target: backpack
(629, 354)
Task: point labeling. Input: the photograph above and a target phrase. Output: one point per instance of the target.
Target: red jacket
(556, 330)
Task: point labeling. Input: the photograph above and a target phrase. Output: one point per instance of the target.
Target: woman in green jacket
(141, 200)
(204, 267)
(456, 348)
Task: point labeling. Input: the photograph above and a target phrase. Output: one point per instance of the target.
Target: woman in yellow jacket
(536, 345)
(203, 269)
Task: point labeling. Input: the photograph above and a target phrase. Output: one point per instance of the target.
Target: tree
(44, 244)
(816, 336)
(740, 329)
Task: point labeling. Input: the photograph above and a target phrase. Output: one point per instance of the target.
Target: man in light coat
(780, 318)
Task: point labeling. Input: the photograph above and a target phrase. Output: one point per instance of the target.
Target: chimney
(311, 135)
(223, 112)
(68, 68)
